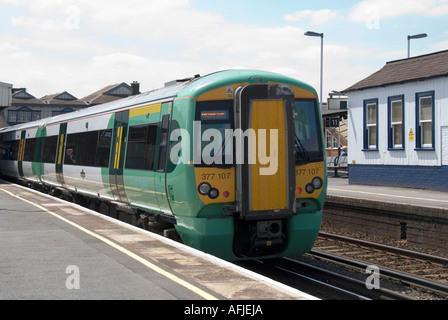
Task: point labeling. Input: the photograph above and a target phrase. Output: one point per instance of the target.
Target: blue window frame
(395, 111)
(371, 125)
(424, 115)
(23, 115)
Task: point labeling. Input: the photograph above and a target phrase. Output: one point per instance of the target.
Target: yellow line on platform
(134, 256)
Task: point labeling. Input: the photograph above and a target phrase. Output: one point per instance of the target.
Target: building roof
(108, 94)
(419, 68)
(63, 98)
(23, 97)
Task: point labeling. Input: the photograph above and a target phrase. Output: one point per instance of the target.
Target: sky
(81, 46)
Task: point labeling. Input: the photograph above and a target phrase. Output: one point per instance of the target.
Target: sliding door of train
(60, 155)
(266, 175)
(118, 153)
(161, 163)
(21, 153)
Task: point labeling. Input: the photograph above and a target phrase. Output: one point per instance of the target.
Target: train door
(21, 153)
(60, 154)
(266, 177)
(161, 162)
(117, 158)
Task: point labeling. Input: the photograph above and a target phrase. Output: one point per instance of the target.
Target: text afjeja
(239, 310)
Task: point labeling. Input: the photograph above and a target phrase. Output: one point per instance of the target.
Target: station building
(334, 116)
(398, 125)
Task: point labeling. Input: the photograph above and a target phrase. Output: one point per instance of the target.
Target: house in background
(26, 107)
(109, 94)
(62, 103)
(398, 125)
(334, 116)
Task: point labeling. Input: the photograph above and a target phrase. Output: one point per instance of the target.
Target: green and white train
(233, 160)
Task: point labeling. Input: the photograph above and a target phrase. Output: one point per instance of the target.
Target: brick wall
(419, 177)
(419, 226)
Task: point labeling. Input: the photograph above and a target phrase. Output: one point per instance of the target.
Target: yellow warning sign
(229, 92)
(411, 135)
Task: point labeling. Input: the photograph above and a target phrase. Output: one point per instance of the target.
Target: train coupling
(269, 234)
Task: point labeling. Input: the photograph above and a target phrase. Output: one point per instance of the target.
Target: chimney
(135, 88)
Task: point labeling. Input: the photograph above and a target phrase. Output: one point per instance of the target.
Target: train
(232, 162)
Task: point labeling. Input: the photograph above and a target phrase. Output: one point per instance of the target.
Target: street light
(417, 36)
(321, 35)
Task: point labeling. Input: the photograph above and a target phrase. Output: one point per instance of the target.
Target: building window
(23, 115)
(12, 116)
(396, 121)
(331, 141)
(425, 120)
(328, 137)
(371, 124)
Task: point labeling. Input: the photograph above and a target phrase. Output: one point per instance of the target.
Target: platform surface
(52, 249)
(339, 186)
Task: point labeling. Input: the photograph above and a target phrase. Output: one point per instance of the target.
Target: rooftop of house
(419, 68)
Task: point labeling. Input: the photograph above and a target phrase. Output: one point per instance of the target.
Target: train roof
(190, 87)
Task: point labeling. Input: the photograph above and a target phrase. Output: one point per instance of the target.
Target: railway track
(336, 269)
(428, 267)
(426, 276)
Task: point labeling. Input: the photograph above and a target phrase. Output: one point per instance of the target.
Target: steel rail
(343, 281)
(403, 277)
(406, 252)
(307, 281)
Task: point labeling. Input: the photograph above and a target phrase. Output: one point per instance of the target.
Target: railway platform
(406, 216)
(340, 187)
(55, 250)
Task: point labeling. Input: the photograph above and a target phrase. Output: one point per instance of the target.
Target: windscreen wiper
(301, 153)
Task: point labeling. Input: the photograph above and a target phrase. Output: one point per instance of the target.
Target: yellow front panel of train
(268, 186)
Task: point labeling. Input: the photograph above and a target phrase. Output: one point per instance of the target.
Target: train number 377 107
(213, 176)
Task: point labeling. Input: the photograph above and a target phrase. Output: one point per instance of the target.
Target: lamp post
(417, 36)
(321, 35)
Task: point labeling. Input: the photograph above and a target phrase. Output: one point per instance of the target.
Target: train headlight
(309, 188)
(214, 193)
(318, 183)
(204, 188)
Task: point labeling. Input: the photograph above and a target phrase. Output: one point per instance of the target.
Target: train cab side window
(163, 145)
(30, 149)
(141, 147)
(308, 135)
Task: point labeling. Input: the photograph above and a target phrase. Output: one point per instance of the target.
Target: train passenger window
(91, 149)
(141, 147)
(308, 135)
(10, 150)
(80, 149)
(30, 149)
(103, 148)
(49, 150)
